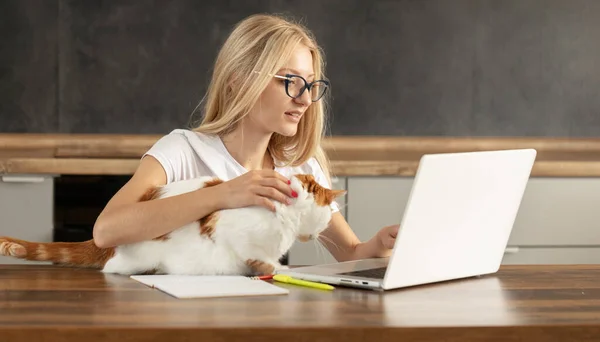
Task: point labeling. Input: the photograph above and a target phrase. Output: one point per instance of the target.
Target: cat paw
(260, 267)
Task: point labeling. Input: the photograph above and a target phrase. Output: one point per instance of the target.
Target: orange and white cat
(241, 241)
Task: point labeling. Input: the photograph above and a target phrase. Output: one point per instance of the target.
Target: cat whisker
(316, 248)
(319, 247)
(328, 240)
(323, 250)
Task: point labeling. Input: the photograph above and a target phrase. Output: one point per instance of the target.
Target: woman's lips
(295, 116)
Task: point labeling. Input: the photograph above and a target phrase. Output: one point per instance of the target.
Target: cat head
(314, 202)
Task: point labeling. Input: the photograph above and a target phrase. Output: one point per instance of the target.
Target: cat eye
(296, 85)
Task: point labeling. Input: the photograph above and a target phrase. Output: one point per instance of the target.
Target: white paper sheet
(181, 286)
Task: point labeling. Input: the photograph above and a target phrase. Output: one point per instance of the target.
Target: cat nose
(305, 238)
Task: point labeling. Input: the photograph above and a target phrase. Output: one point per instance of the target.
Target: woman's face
(275, 111)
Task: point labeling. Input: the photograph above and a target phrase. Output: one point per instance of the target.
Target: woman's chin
(288, 130)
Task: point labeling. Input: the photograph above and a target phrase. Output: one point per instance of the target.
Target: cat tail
(82, 254)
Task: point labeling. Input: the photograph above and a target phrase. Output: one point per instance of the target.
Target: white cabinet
(26, 209)
(312, 252)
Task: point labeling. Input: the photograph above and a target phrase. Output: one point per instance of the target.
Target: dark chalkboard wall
(421, 67)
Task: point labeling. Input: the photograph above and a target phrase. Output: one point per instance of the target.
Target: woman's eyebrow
(296, 71)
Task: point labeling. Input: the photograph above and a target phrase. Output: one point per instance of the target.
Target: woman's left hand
(380, 245)
(344, 245)
(387, 238)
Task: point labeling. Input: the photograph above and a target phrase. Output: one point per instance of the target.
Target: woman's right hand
(257, 187)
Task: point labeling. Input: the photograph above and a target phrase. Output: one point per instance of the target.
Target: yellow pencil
(287, 279)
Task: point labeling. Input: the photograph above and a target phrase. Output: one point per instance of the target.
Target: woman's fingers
(394, 230)
(389, 236)
(261, 188)
(275, 174)
(279, 185)
(389, 242)
(264, 202)
(272, 193)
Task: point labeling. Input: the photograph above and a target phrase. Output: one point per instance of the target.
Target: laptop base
(342, 274)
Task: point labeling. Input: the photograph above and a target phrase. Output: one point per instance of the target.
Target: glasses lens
(295, 86)
(317, 90)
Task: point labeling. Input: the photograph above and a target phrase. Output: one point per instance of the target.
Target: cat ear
(333, 194)
(305, 179)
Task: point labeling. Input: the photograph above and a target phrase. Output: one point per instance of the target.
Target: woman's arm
(344, 245)
(126, 220)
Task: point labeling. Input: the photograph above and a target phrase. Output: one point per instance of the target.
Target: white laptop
(456, 224)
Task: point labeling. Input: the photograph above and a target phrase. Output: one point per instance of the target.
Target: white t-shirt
(186, 154)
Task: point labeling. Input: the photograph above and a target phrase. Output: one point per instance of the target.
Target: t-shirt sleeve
(172, 152)
(317, 172)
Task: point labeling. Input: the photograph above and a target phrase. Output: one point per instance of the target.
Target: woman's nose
(304, 99)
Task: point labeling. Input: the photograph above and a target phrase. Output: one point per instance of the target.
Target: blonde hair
(264, 43)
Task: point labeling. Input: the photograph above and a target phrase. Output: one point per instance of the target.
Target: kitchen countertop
(118, 154)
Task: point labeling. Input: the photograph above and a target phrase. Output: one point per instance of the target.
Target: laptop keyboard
(376, 273)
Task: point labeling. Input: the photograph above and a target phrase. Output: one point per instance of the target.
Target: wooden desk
(525, 303)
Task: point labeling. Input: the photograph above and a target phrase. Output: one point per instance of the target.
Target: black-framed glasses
(295, 85)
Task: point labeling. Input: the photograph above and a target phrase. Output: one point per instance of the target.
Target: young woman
(263, 120)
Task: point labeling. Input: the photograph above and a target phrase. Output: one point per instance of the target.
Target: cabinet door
(558, 212)
(26, 209)
(376, 202)
(551, 255)
(312, 252)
